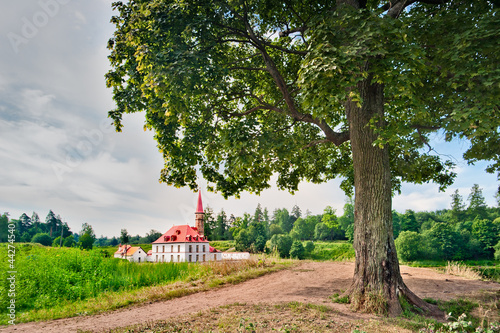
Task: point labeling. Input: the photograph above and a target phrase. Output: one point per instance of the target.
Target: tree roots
(389, 304)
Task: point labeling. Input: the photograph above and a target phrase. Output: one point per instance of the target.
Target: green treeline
(28, 229)
(52, 232)
(31, 229)
(466, 231)
(281, 232)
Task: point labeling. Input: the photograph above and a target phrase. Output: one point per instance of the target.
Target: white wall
(235, 255)
(179, 252)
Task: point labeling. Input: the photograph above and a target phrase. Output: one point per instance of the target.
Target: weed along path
(308, 282)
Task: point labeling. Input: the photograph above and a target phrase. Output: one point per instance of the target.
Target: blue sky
(58, 152)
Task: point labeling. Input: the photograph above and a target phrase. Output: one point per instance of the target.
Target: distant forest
(468, 230)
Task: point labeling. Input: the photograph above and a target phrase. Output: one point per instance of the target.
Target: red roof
(212, 249)
(181, 234)
(199, 208)
(130, 250)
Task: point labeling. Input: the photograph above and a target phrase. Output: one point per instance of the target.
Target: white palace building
(184, 243)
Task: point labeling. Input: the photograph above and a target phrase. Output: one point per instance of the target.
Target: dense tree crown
(245, 89)
(241, 90)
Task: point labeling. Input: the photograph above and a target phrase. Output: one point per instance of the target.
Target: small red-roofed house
(131, 253)
(149, 257)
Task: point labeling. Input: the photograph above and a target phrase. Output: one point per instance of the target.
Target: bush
(309, 247)
(42, 238)
(259, 244)
(243, 240)
(297, 250)
(86, 242)
(281, 244)
(56, 242)
(497, 251)
(408, 245)
(69, 241)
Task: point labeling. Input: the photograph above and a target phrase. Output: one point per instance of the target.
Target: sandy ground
(310, 282)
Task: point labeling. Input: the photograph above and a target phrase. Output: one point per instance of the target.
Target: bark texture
(377, 283)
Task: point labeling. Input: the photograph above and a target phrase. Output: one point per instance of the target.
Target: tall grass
(487, 269)
(47, 276)
(461, 269)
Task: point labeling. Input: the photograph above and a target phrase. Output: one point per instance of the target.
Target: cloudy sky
(58, 152)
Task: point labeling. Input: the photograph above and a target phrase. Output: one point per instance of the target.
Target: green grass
(59, 282)
(413, 318)
(222, 245)
(47, 276)
(336, 250)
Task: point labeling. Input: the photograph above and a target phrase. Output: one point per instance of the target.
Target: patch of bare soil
(262, 318)
(309, 282)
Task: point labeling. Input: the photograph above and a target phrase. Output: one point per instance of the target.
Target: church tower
(200, 214)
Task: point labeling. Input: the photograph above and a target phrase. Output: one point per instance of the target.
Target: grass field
(62, 282)
(336, 250)
(222, 245)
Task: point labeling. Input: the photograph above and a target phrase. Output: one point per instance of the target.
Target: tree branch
(395, 8)
(250, 68)
(260, 45)
(315, 143)
(284, 49)
(242, 114)
(288, 32)
(425, 127)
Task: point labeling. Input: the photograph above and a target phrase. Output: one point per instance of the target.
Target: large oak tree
(240, 90)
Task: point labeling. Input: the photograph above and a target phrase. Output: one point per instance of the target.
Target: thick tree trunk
(377, 283)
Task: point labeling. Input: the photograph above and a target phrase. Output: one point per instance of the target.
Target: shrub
(243, 240)
(42, 238)
(56, 242)
(497, 251)
(281, 244)
(309, 247)
(69, 241)
(86, 242)
(408, 245)
(297, 250)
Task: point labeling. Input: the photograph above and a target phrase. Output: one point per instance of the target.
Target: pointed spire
(199, 208)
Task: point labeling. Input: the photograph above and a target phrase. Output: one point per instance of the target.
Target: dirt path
(310, 282)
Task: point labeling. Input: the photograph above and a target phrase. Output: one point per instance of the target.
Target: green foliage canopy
(242, 90)
(408, 245)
